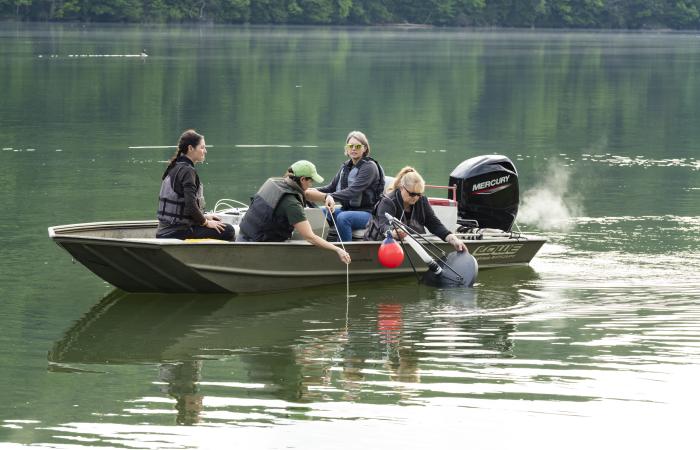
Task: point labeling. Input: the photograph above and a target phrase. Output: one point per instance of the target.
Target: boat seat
(359, 234)
(445, 210)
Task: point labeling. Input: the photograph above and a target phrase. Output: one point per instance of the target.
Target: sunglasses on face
(413, 194)
(354, 146)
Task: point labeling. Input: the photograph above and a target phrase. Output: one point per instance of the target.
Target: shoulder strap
(173, 174)
(381, 184)
(379, 166)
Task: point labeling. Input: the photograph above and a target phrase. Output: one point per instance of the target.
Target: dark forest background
(603, 14)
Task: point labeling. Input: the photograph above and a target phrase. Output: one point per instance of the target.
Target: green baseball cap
(306, 168)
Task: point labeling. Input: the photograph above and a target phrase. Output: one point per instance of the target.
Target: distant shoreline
(388, 26)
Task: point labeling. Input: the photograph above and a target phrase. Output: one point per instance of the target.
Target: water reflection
(396, 353)
(181, 381)
(318, 348)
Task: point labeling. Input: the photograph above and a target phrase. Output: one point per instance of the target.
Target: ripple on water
(641, 161)
(624, 252)
(586, 332)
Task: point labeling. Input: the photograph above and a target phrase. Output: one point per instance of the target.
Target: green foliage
(575, 13)
(632, 14)
(272, 11)
(685, 13)
(316, 11)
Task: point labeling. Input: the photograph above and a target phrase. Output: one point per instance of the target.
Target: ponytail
(408, 176)
(189, 137)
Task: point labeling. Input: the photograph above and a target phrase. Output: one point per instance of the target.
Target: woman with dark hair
(406, 201)
(277, 210)
(358, 185)
(181, 199)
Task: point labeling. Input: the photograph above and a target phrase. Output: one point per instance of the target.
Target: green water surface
(596, 343)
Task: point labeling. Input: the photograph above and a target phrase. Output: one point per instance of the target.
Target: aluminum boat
(128, 256)
(480, 210)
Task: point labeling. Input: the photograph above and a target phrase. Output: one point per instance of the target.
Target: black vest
(171, 203)
(367, 198)
(260, 223)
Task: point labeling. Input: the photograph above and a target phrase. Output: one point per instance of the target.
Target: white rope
(224, 202)
(347, 266)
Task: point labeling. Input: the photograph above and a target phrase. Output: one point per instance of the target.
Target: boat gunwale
(185, 258)
(64, 233)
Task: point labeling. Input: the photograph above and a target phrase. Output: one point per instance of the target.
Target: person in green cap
(277, 210)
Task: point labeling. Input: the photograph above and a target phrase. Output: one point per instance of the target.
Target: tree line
(602, 14)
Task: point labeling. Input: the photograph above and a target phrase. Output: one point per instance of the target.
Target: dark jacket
(181, 198)
(357, 187)
(422, 217)
(260, 223)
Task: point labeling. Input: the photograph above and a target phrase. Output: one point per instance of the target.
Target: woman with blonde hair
(406, 201)
(358, 185)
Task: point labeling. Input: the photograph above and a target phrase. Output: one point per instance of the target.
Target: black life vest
(260, 224)
(368, 197)
(171, 200)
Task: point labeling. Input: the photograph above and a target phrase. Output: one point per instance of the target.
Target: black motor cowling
(487, 191)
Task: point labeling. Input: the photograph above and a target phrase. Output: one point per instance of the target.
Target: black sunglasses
(412, 194)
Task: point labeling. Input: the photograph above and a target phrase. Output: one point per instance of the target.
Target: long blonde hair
(360, 136)
(407, 177)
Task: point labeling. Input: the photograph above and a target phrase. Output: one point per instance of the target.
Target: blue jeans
(346, 221)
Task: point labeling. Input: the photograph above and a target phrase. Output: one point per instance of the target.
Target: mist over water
(550, 205)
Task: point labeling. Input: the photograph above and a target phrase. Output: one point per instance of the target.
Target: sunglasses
(355, 146)
(413, 194)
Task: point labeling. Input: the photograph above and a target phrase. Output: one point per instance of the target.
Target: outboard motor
(487, 192)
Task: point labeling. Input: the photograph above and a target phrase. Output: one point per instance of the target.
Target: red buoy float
(390, 253)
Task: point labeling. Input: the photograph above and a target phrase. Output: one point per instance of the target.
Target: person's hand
(398, 234)
(456, 243)
(343, 255)
(330, 203)
(215, 223)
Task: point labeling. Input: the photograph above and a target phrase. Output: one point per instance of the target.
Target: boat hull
(127, 255)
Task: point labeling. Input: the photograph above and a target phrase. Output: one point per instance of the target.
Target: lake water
(596, 343)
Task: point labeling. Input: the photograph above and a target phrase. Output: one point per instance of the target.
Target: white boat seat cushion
(358, 234)
(446, 211)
